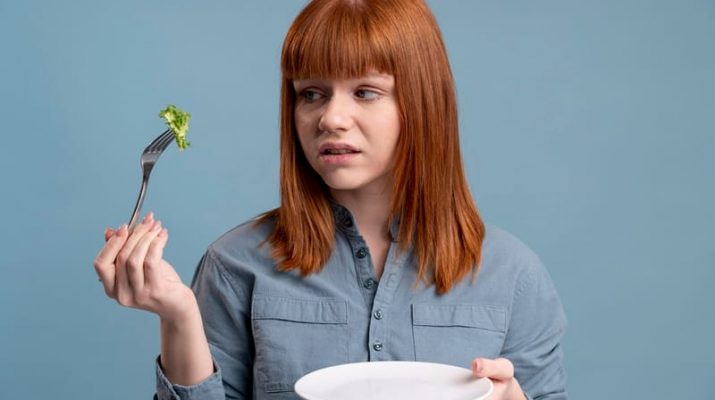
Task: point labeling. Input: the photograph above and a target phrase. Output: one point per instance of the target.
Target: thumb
(499, 369)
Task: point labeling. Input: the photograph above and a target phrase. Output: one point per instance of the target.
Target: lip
(336, 146)
(337, 159)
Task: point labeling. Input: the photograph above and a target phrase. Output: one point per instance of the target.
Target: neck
(370, 209)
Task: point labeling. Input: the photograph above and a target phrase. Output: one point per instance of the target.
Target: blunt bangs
(344, 40)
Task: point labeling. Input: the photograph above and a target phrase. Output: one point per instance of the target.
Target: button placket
(369, 284)
(377, 314)
(380, 330)
(365, 267)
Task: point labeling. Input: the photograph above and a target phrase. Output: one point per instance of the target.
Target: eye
(367, 94)
(309, 95)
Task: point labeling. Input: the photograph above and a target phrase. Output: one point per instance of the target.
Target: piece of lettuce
(178, 121)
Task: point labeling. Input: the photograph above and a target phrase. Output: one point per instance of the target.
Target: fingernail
(122, 228)
(477, 366)
(156, 226)
(148, 217)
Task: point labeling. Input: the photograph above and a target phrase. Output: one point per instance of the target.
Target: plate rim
(301, 381)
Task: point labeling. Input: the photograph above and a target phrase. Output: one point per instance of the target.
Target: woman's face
(348, 130)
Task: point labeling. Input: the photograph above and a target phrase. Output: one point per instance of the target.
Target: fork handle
(138, 206)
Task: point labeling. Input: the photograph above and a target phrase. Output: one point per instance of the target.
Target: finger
(108, 233)
(148, 218)
(105, 265)
(499, 369)
(152, 262)
(132, 239)
(122, 289)
(135, 263)
(136, 234)
(111, 248)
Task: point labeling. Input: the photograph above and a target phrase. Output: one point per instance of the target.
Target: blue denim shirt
(267, 328)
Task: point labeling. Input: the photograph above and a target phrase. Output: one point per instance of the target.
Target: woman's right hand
(134, 273)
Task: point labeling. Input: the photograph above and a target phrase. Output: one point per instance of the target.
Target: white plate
(394, 380)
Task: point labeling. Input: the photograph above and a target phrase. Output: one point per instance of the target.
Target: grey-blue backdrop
(587, 131)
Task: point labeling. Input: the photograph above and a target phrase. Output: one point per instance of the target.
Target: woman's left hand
(501, 372)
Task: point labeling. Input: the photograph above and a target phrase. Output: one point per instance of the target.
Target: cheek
(391, 121)
(303, 128)
(390, 132)
(301, 119)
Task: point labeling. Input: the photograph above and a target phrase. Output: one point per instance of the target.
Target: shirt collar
(345, 221)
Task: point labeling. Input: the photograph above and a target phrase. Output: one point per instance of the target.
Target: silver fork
(148, 159)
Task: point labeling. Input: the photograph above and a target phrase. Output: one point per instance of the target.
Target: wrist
(183, 314)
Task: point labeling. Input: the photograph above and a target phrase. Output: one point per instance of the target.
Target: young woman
(376, 252)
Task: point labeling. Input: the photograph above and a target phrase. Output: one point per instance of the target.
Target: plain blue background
(587, 131)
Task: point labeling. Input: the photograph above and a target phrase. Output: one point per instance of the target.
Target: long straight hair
(344, 39)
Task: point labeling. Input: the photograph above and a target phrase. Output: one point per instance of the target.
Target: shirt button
(361, 253)
(377, 314)
(377, 346)
(369, 283)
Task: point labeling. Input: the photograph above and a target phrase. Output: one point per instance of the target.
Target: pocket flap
(323, 311)
(467, 315)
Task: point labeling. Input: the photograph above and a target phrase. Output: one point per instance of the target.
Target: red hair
(344, 39)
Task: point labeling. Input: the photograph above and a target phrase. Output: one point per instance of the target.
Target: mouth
(332, 148)
(330, 152)
(337, 154)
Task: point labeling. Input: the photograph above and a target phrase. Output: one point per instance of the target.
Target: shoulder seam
(224, 273)
(524, 281)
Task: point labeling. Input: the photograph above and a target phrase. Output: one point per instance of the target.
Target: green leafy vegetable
(178, 121)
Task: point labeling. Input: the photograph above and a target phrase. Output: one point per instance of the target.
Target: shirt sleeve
(533, 340)
(210, 388)
(225, 312)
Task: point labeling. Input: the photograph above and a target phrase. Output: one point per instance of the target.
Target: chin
(337, 182)
(341, 186)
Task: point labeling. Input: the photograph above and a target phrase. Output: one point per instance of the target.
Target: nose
(336, 116)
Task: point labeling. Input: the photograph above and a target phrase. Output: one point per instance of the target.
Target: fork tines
(159, 144)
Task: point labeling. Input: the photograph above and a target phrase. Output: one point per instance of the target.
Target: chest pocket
(456, 334)
(295, 336)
